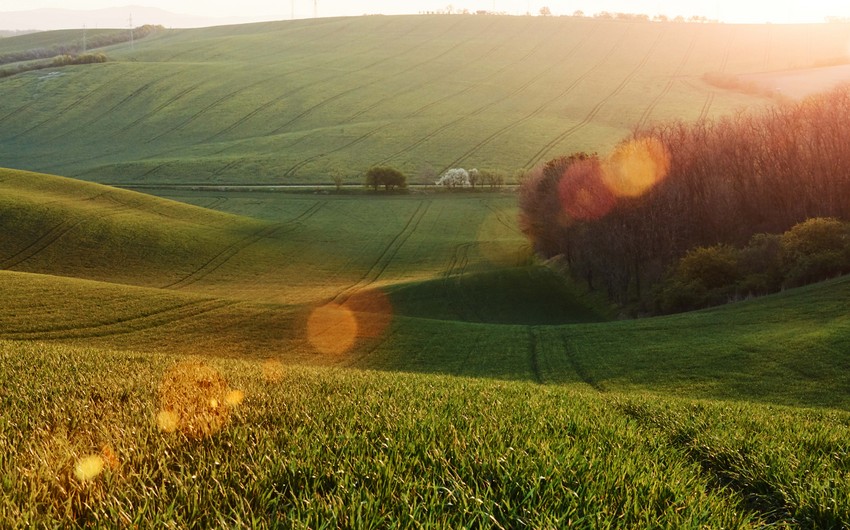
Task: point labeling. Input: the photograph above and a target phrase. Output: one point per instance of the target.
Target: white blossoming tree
(454, 178)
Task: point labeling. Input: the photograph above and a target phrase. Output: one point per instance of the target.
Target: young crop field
(103, 438)
(273, 359)
(303, 101)
(226, 356)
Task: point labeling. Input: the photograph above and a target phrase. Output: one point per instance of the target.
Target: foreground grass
(326, 448)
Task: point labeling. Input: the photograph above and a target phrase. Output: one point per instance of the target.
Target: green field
(475, 388)
(303, 101)
(216, 356)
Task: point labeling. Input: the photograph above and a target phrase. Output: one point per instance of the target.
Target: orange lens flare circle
(332, 329)
(634, 167)
(583, 193)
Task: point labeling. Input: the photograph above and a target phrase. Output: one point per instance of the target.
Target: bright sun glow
(730, 11)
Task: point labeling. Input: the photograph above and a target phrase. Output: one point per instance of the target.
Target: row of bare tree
(727, 179)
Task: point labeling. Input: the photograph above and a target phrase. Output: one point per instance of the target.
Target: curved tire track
(654, 103)
(127, 325)
(596, 109)
(225, 255)
(386, 256)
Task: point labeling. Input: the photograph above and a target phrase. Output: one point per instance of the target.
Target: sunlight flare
(190, 398)
(635, 167)
(332, 329)
(89, 467)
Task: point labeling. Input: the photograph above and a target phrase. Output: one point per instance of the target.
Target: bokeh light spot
(234, 398)
(189, 398)
(332, 329)
(634, 167)
(88, 467)
(583, 194)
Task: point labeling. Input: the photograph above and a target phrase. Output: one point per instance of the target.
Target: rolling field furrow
(709, 100)
(22, 108)
(53, 117)
(386, 256)
(654, 103)
(131, 325)
(569, 88)
(416, 86)
(158, 108)
(500, 216)
(572, 360)
(53, 235)
(59, 229)
(533, 359)
(292, 170)
(340, 95)
(221, 258)
(116, 320)
(105, 114)
(208, 107)
(479, 110)
(274, 101)
(232, 250)
(596, 109)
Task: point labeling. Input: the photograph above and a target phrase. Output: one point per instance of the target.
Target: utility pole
(315, 8)
(292, 17)
(132, 44)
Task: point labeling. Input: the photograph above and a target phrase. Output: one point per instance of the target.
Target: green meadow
(303, 101)
(473, 387)
(212, 356)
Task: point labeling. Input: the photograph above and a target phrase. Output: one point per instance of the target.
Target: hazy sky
(777, 11)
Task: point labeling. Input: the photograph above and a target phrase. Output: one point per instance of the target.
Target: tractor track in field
(180, 95)
(709, 100)
(235, 248)
(477, 111)
(274, 101)
(597, 108)
(60, 113)
(127, 325)
(386, 256)
(569, 352)
(20, 109)
(115, 107)
(563, 93)
(533, 355)
(500, 216)
(432, 81)
(412, 88)
(339, 95)
(210, 106)
(52, 235)
(669, 86)
(458, 262)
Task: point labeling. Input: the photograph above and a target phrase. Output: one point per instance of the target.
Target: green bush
(815, 250)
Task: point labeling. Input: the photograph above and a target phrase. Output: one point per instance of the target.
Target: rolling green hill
(301, 101)
(433, 282)
(484, 390)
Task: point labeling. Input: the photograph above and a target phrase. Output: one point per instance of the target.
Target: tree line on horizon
(726, 179)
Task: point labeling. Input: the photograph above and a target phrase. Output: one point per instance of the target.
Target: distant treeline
(75, 48)
(725, 180)
(55, 62)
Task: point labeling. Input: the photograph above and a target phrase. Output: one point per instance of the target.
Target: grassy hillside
(162, 363)
(329, 448)
(425, 283)
(300, 101)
